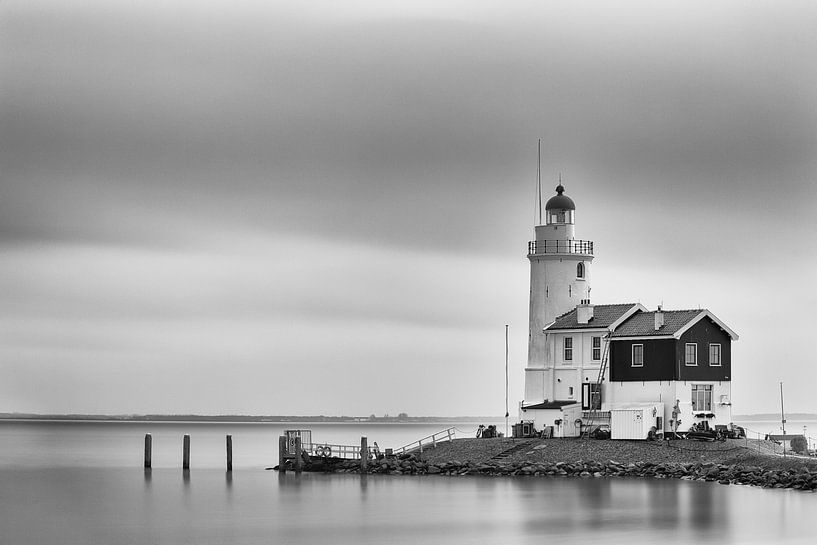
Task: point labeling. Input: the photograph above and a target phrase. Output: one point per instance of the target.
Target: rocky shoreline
(731, 462)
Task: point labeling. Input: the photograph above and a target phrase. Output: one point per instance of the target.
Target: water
(81, 484)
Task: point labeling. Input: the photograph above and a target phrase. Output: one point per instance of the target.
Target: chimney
(659, 318)
(584, 312)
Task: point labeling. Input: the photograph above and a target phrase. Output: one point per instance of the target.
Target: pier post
(282, 453)
(364, 454)
(229, 453)
(148, 450)
(186, 452)
(298, 460)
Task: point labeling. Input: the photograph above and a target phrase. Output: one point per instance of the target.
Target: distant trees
(799, 444)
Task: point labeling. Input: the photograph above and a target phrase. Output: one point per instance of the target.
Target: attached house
(681, 358)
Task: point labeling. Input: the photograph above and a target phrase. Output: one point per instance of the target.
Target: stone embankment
(726, 463)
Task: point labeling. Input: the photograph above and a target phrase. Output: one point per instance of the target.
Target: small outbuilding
(639, 421)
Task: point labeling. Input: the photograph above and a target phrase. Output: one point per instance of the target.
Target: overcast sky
(323, 208)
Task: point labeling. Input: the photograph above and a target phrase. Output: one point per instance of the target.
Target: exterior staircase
(509, 452)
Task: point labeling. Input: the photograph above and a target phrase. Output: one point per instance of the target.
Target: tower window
(580, 270)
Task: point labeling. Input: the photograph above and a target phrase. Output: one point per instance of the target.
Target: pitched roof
(642, 324)
(603, 316)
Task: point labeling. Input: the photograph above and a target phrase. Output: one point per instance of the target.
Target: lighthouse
(559, 282)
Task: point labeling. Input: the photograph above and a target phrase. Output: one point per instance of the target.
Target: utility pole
(783, 419)
(506, 380)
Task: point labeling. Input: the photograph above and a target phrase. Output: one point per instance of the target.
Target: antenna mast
(539, 177)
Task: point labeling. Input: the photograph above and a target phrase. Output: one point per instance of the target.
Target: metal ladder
(599, 380)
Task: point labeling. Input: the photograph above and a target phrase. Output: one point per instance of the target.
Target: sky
(317, 207)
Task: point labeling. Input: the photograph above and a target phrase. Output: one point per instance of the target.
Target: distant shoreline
(272, 419)
(771, 417)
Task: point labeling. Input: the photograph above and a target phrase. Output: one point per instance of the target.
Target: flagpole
(506, 381)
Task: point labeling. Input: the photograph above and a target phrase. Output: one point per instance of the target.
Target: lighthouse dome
(560, 201)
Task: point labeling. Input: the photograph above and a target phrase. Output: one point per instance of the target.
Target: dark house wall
(664, 359)
(659, 360)
(704, 332)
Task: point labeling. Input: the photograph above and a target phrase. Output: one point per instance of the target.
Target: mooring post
(186, 452)
(282, 453)
(364, 454)
(298, 455)
(229, 453)
(148, 450)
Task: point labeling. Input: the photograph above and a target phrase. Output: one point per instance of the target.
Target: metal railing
(431, 440)
(539, 247)
(347, 452)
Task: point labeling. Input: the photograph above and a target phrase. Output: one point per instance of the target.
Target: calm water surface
(90, 489)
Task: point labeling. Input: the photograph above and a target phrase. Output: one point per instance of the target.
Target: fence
(758, 442)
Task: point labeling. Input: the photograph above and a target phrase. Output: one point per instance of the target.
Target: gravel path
(731, 451)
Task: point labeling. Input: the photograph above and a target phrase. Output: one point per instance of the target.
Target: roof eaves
(705, 314)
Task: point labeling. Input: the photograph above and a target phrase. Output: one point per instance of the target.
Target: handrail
(538, 247)
(349, 452)
(444, 435)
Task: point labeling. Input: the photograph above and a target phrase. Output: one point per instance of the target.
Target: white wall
(620, 394)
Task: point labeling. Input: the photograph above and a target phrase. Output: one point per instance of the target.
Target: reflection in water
(364, 483)
(97, 507)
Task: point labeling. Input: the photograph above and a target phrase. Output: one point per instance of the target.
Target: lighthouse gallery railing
(560, 247)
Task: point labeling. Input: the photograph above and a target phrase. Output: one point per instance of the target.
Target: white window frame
(567, 351)
(720, 354)
(632, 359)
(694, 353)
(595, 349)
(696, 391)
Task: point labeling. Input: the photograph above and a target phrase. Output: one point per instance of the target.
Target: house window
(638, 355)
(701, 397)
(691, 354)
(580, 270)
(568, 348)
(715, 355)
(596, 348)
(570, 392)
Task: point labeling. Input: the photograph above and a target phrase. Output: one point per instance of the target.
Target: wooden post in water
(148, 450)
(229, 453)
(298, 455)
(282, 453)
(364, 454)
(186, 452)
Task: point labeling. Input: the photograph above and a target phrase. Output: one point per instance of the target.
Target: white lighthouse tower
(559, 281)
